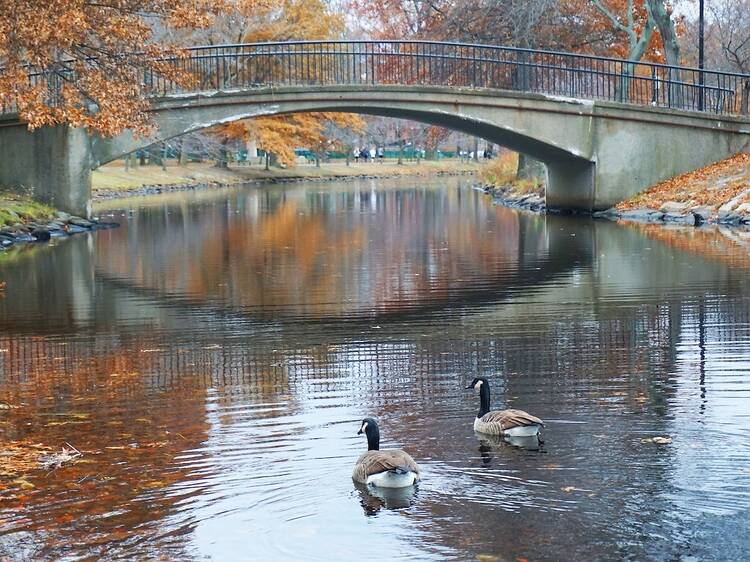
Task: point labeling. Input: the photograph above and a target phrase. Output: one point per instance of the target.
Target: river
(213, 357)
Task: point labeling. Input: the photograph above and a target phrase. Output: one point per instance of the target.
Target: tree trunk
(476, 149)
(181, 157)
(127, 162)
(268, 161)
(164, 156)
(529, 168)
(221, 162)
(400, 152)
(665, 24)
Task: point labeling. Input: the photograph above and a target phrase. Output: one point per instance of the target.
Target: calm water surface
(213, 356)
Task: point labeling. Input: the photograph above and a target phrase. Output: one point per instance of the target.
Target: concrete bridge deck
(606, 129)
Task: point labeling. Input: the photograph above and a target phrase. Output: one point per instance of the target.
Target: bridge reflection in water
(212, 357)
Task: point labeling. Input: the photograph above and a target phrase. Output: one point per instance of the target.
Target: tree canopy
(88, 57)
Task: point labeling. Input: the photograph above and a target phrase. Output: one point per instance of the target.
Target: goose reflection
(490, 443)
(374, 499)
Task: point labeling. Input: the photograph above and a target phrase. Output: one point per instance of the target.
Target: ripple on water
(212, 358)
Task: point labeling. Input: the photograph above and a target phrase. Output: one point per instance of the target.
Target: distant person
(363, 154)
(372, 153)
(355, 153)
(381, 154)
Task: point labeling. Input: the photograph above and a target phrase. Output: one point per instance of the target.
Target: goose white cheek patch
(364, 426)
(478, 385)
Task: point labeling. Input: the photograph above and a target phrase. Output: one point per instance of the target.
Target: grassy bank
(500, 173)
(16, 209)
(113, 176)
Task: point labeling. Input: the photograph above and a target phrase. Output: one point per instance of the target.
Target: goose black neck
(373, 438)
(484, 399)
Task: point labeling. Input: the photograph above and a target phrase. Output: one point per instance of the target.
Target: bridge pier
(51, 164)
(571, 184)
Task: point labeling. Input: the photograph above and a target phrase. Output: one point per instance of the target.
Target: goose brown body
(501, 421)
(376, 462)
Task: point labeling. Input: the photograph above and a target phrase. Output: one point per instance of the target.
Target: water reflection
(211, 356)
(374, 499)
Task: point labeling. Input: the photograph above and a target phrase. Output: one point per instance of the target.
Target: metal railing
(429, 63)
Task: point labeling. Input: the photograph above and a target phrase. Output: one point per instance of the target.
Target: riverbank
(716, 194)
(112, 181)
(25, 220)
(500, 180)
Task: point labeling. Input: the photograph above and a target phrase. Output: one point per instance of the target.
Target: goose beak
(469, 387)
(359, 432)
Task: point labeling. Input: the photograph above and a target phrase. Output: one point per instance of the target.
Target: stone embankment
(508, 196)
(730, 213)
(61, 225)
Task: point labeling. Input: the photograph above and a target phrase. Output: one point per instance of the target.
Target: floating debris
(53, 461)
(657, 440)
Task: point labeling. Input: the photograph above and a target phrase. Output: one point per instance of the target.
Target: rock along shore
(62, 225)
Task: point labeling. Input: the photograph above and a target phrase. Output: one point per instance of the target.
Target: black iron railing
(302, 63)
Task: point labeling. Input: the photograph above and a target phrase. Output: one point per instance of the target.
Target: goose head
(370, 428)
(478, 383)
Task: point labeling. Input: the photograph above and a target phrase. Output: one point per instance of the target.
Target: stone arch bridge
(605, 128)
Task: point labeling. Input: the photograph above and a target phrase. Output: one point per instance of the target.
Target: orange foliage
(75, 46)
(280, 135)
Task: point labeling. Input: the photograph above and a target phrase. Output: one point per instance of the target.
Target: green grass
(18, 209)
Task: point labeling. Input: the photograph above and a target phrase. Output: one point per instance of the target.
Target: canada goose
(513, 423)
(390, 468)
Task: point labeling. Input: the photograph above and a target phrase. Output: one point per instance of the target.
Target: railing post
(745, 100)
(474, 67)
(522, 74)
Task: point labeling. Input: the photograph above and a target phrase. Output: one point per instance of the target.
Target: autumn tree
(279, 135)
(82, 62)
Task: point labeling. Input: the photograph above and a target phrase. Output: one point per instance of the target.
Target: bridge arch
(537, 127)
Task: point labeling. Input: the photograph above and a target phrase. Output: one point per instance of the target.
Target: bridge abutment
(51, 164)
